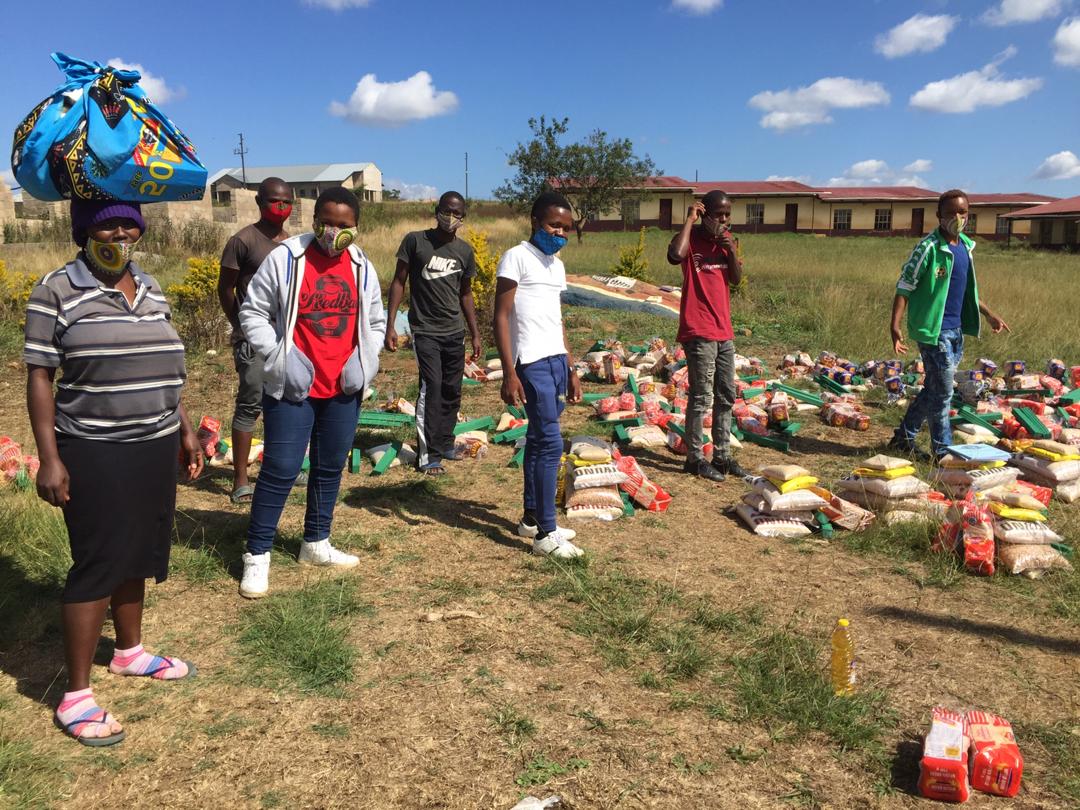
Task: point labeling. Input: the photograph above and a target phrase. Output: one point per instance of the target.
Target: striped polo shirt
(121, 366)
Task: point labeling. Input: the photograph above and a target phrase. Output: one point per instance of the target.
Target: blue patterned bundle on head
(99, 137)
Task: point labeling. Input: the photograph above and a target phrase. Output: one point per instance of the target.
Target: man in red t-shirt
(708, 254)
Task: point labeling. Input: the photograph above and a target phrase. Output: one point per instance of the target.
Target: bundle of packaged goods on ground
(594, 477)
(968, 750)
(1051, 464)
(18, 468)
(889, 485)
(786, 501)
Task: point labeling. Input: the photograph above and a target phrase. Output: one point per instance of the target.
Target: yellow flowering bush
(15, 290)
(199, 318)
(483, 283)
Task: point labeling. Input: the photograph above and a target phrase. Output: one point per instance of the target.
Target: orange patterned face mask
(111, 258)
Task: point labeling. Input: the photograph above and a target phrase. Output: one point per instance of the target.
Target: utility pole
(241, 151)
(466, 175)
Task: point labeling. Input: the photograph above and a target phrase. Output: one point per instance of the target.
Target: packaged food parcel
(996, 765)
(943, 769)
(639, 487)
(208, 435)
(770, 526)
(1031, 560)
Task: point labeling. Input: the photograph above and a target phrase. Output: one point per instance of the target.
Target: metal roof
(304, 173)
(1020, 198)
(755, 187)
(883, 193)
(1067, 208)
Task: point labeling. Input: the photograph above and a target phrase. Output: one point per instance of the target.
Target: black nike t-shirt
(437, 275)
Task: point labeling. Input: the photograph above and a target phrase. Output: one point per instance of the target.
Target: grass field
(680, 665)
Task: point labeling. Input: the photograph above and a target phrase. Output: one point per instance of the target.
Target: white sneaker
(256, 580)
(321, 553)
(556, 544)
(531, 530)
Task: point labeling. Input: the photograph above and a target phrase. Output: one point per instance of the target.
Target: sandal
(157, 669)
(95, 715)
(243, 494)
(434, 469)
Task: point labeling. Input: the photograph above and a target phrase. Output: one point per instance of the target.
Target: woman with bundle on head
(108, 439)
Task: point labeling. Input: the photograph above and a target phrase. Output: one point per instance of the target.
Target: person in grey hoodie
(314, 316)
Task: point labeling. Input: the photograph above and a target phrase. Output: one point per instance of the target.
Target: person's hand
(695, 212)
(727, 240)
(191, 454)
(477, 348)
(898, 346)
(390, 342)
(53, 482)
(512, 392)
(573, 388)
(997, 325)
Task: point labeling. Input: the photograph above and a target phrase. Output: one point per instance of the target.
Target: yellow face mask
(333, 240)
(111, 258)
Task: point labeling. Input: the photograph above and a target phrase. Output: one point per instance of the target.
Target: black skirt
(120, 515)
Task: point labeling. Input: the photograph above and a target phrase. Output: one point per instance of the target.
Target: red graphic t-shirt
(326, 327)
(705, 309)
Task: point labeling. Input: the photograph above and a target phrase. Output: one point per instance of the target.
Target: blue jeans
(544, 382)
(328, 426)
(934, 401)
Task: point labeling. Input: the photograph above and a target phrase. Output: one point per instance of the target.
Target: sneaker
(556, 544)
(322, 554)
(908, 449)
(529, 528)
(703, 469)
(729, 466)
(256, 580)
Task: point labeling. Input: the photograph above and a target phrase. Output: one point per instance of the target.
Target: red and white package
(996, 763)
(943, 770)
(638, 486)
(208, 435)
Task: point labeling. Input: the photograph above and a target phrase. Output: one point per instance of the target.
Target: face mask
(333, 240)
(713, 226)
(955, 225)
(276, 212)
(549, 243)
(110, 258)
(448, 222)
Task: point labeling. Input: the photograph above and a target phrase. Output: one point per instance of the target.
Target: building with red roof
(1053, 224)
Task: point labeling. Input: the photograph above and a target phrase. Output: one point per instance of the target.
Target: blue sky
(981, 94)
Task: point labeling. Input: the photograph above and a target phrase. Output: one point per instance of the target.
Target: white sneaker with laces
(557, 545)
(321, 553)
(256, 580)
(530, 530)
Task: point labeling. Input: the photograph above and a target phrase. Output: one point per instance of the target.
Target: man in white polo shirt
(536, 364)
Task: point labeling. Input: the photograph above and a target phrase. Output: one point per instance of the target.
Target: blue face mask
(549, 243)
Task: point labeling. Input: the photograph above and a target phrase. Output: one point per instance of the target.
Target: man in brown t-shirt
(243, 254)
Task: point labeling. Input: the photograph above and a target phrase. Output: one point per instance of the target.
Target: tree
(391, 193)
(596, 174)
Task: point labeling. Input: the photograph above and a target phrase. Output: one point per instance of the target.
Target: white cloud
(920, 165)
(412, 191)
(967, 92)
(789, 109)
(922, 33)
(1067, 43)
(798, 178)
(391, 104)
(697, 6)
(1062, 166)
(338, 5)
(154, 86)
(877, 173)
(1008, 12)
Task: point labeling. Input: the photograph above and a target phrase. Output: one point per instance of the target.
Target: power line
(241, 151)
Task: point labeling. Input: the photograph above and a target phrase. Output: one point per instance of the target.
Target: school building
(1053, 225)
(768, 206)
(307, 181)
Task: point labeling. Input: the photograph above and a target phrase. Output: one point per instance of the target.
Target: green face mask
(111, 258)
(333, 240)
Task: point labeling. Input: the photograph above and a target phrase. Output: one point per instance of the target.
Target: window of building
(1001, 226)
(631, 211)
(1070, 231)
(971, 224)
(841, 219)
(755, 213)
(882, 219)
